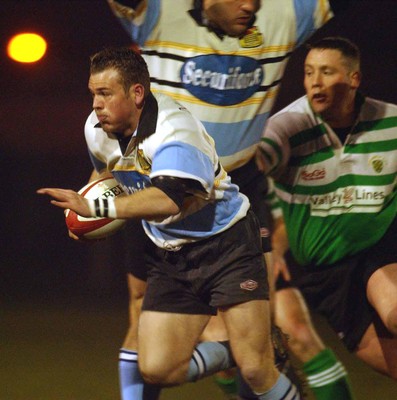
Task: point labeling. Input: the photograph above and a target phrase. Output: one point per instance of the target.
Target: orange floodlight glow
(26, 47)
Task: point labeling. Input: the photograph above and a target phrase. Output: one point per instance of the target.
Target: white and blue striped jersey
(171, 142)
(229, 83)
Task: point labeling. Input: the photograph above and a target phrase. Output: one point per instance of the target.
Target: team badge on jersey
(252, 38)
(142, 161)
(377, 163)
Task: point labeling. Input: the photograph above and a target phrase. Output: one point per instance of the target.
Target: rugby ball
(96, 228)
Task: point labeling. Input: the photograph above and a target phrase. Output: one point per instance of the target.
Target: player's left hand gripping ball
(96, 228)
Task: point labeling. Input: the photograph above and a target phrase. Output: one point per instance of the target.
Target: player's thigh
(215, 331)
(378, 349)
(268, 256)
(136, 291)
(291, 307)
(293, 317)
(167, 340)
(136, 287)
(248, 327)
(382, 291)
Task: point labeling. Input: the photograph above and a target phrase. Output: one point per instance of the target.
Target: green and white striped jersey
(337, 199)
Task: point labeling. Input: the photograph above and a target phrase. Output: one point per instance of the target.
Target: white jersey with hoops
(171, 142)
(229, 83)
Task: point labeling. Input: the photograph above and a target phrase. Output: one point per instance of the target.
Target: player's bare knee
(152, 377)
(136, 295)
(250, 374)
(136, 288)
(300, 338)
(162, 374)
(136, 300)
(260, 373)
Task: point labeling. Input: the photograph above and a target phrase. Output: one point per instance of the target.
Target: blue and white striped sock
(132, 386)
(208, 358)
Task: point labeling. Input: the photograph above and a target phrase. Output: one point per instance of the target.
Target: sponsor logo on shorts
(264, 232)
(249, 285)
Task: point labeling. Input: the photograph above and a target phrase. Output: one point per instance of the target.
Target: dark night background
(42, 113)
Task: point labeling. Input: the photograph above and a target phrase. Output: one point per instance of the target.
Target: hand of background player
(65, 198)
(280, 267)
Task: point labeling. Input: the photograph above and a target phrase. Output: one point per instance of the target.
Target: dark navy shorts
(251, 182)
(338, 291)
(135, 243)
(220, 271)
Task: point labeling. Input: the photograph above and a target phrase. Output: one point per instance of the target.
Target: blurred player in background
(205, 254)
(224, 61)
(293, 317)
(334, 158)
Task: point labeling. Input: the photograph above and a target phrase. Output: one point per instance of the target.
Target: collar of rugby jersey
(198, 15)
(359, 100)
(148, 120)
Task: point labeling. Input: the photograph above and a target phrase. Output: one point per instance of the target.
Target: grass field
(65, 350)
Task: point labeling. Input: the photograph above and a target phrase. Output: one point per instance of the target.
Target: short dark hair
(348, 49)
(127, 62)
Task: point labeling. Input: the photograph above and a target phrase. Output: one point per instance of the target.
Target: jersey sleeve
(181, 148)
(281, 135)
(272, 200)
(310, 16)
(97, 164)
(274, 147)
(182, 160)
(138, 18)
